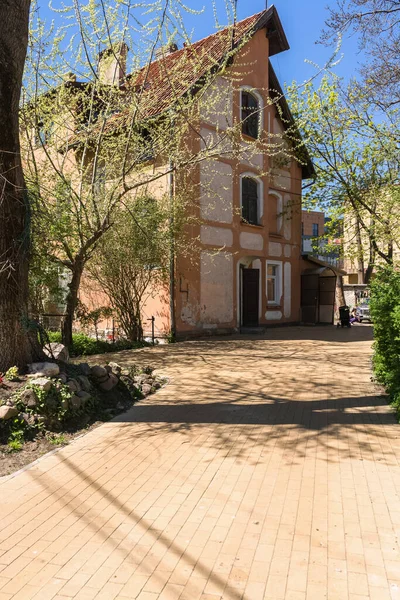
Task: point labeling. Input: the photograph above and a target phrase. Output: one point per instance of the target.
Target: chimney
(112, 64)
(69, 77)
(165, 50)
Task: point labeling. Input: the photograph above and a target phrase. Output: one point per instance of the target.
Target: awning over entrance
(320, 265)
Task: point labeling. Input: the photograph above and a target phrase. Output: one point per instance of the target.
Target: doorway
(250, 297)
(309, 297)
(318, 296)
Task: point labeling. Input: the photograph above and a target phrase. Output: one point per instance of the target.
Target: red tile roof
(165, 80)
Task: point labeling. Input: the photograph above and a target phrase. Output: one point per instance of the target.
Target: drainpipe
(172, 253)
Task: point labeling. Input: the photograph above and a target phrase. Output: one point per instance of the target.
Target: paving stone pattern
(267, 469)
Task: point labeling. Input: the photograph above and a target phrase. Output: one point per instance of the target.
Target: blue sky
(302, 20)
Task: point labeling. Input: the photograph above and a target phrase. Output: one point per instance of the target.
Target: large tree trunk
(17, 344)
(72, 302)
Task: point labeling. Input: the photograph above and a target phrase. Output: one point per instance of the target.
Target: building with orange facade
(246, 270)
(246, 265)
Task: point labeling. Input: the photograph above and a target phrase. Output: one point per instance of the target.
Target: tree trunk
(18, 345)
(371, 264)
(390, 253)
(360, 254)
(130, 325)
(72, 302)
(340, 299)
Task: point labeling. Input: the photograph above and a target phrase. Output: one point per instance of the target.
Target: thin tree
(357, 166)
(377, 25)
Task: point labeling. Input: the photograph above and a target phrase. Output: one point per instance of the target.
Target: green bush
(54, 336)
(385, 313)
(12, 374)
(83, 345)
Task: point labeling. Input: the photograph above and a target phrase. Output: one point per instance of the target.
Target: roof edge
(276, 35)
(307, 170)
(322, 263)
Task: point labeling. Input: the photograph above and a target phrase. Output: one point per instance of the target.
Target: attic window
(250, 115)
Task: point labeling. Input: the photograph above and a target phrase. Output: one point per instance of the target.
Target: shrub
(12, 374)
(54, 336)
(385, 313)
(83, 345)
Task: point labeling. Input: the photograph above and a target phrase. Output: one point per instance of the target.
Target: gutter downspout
(172, 253)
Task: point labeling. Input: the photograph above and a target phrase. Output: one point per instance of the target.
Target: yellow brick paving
(267, 469)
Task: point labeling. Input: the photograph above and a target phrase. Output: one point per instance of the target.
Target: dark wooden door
(250, 296)
(309, 298)
(327, 293)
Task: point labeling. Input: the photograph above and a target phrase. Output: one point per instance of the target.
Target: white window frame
(260, 194)
(257, 95)
(278, 282)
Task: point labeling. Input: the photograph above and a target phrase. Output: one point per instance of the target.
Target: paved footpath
(266, 469)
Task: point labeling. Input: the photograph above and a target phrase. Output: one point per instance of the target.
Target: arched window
(250, 115)
(250, 200)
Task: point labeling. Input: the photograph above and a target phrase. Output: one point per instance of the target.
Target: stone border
(5, 478)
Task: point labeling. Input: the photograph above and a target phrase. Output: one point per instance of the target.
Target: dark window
(250, 115)
(315, 230)
(43, 133)
(250, 200)
(302, 228)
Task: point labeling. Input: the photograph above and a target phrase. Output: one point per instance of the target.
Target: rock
(111, 382)
(98, 372)
(51, 403)
(57, 351)
(146, 389)
(85, 369)
(44, 369)
(110, 412)
(8, 412)
(73, 385)
(75, 402)
(29, 398)
(140, 379)
(157, 385)
(84, 383)
(84, 396)
(42, 383)
(53, 423)
(63, 377)
(108, 368)
(28, 418)
(115, 368)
